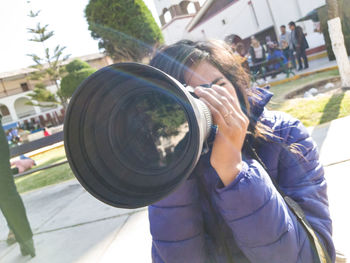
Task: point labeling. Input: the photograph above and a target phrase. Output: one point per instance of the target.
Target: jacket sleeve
(262, 224)
(177, 226)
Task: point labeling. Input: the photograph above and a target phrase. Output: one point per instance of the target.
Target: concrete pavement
(70, 225)
(315, 66)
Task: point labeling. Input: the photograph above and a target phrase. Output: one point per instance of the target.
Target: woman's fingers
(219, 98)
(233, 102)
(217, 116)
(215, 100)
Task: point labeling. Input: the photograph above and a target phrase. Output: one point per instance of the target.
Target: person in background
(257, 51)
(299, 44)
(257, 54)
(241, 51)
(276, 54)
(11, 203)
(286, 45)
(46, 132)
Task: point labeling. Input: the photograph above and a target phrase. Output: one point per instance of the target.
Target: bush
(124, 28)
(78, 71)
(77, 65)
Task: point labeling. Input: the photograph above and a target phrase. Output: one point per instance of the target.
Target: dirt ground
(321, 89)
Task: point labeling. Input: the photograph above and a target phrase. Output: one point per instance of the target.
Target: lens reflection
(151, 133)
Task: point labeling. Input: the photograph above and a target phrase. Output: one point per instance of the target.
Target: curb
(282, 81)
(44, 151)
(318, 56)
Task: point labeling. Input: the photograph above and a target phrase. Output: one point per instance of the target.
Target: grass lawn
(280, 91)
(315, 111)
(46, 177)
(319, 110)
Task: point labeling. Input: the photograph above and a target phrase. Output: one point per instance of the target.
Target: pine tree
(49, 66)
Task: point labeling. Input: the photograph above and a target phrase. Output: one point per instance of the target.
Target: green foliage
(124, 28)
(78, 71)
(165, 116)
(312, 112)
(49, 66)
(46, 177)
(76, 65)
(43, 95)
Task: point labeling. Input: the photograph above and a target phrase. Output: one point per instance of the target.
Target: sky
(64, 17)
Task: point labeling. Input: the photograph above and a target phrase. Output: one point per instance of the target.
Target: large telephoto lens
(133, 134)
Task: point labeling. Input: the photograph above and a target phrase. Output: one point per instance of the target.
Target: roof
(208, 10)
(24, 71)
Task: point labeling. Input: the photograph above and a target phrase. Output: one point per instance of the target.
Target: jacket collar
(259, 99)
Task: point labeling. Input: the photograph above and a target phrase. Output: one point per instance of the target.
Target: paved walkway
(70, 225)
(316, 65)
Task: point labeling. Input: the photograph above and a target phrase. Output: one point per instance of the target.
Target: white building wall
(292, 10)
(175, 31)
(9, 102)
(235, 16)
(240, 20)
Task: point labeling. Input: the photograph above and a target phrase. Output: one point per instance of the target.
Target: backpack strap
(318, 248)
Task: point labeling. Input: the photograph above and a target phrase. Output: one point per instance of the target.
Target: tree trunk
(338, 44)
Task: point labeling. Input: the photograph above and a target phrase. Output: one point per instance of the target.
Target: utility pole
(273, 19)
(250, 3)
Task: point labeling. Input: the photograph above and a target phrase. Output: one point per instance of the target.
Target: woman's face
(206, 73)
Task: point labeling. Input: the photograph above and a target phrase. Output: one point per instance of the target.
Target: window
(167, 17)
(4, 110)
(191, 9)
(24, 86)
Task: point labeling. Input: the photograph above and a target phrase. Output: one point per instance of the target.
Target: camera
(133, 134)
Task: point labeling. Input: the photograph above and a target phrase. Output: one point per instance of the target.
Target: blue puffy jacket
(258, 225)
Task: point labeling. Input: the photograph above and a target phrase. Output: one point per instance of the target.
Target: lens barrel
(133, 134)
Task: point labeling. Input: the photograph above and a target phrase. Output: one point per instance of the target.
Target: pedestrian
(286, 45)
(300, 45)
(257, 54)
(275, 54)
(256, 51)
(11, 203)
(229, 210)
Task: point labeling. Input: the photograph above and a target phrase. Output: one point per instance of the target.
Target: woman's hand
(226, 157)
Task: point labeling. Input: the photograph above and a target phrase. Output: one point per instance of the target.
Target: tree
(338, 45)
(124, 28)
(78, 71)
(49, 66)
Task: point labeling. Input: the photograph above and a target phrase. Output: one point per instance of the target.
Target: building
(174, 16)
(238, 20)
(15, 87)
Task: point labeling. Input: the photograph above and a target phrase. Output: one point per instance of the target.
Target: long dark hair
(176, 60)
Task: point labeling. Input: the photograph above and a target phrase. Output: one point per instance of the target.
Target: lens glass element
(151, 131)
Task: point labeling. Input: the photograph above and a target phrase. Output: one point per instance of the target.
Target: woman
(257, 51)
(229, 210)
(257, 54)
